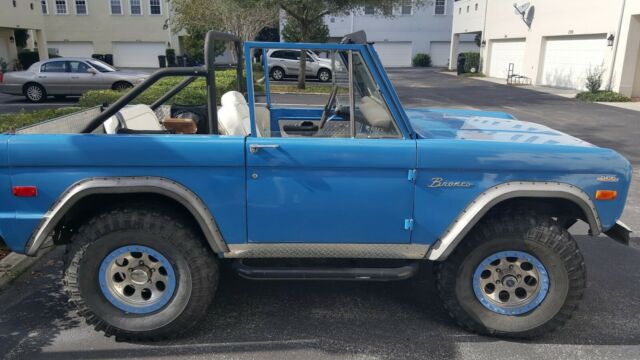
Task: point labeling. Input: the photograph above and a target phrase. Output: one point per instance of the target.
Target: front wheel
(277, 74)
(140, 274)
(324, 75)
(516, 275)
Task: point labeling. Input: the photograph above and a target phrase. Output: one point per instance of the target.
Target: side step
(326, 273)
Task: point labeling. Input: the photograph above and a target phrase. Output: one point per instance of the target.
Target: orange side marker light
(606, 194)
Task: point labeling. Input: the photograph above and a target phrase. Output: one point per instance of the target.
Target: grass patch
(25, 118)
(293, 88)
(602, 96)
(470, 74)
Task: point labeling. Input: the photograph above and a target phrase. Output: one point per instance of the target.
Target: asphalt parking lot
(13, 103)
(401, 320)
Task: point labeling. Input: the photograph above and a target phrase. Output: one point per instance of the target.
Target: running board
(326, 273)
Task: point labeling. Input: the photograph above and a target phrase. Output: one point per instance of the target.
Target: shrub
(603, 96)
(472, 61)
(422, 60)
(28, 58)
(194, 94)
(593, 81)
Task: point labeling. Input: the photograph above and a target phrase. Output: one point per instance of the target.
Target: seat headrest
(232, 98)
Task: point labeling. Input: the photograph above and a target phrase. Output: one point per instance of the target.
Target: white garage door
(567, 60)
(503, 53)
(71, 48)
(137, 54)
(394, 53)
(440, 51)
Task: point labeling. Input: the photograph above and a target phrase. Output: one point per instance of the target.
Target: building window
(61, 7)
(476, 6)
(369, 10)
(441, 7)
(45, 7)
(115, 7)
(460, 10)
(406, 7)
(136, 7)
(81, 7)
(155, 7)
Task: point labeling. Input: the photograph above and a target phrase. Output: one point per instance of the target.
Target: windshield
(102, 67)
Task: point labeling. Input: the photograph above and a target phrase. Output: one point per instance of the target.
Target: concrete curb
(13, 265)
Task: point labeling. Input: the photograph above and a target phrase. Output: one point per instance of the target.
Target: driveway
(400, 320)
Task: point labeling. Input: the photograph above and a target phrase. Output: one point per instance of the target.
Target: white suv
(284, 63)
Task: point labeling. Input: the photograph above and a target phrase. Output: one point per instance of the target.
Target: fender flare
(472, 214)
(128, 185)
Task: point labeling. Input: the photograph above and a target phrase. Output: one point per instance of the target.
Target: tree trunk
(303, 59)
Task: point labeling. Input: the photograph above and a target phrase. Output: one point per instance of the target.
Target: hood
(484, 126)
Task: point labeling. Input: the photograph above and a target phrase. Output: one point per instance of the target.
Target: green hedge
(603, 96)
(194, 94)
(422, 60)
(472, 60)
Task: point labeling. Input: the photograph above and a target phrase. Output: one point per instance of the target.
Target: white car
(283, 63)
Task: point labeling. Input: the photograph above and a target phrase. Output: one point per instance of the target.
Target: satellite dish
(521, 9)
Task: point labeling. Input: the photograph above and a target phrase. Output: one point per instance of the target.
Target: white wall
(552, 19)
(421, 28)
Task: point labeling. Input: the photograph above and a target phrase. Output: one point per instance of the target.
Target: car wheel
(122, 85)
(516, 275)
(35, 93)
(277, 74)
(140, 274)
(324, 75)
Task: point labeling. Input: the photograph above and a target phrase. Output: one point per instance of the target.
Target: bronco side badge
(441, 182)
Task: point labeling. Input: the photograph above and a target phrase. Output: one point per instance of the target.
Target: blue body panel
(318, 190)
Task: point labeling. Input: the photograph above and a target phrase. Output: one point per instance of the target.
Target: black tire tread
(539, 228)
(176, 230)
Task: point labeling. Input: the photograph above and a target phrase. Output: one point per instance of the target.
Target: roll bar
(207, 71)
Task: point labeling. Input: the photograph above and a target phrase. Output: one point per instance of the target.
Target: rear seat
(137, 117)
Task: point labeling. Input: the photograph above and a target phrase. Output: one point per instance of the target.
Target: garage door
(394, 53)
(71, 48)
(137, 54)
(503, 53)
(440, 51)
(567, 60)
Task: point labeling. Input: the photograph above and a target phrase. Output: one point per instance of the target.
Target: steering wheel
(333, 97)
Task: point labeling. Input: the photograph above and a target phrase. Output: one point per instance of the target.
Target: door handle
(75, 77)
(253, 148)
(42, 77)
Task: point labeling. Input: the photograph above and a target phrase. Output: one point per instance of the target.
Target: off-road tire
(195, 265)
(518, 230)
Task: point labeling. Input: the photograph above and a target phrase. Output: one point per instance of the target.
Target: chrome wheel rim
(324, 76)
(121, 87)
(510, 282)
(277, 74)
(137, 279)
(34, 93)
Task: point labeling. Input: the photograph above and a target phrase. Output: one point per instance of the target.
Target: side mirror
(92, 71)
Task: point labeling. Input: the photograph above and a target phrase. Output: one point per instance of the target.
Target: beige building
(20, 14)
(555, 43)
(135, 32)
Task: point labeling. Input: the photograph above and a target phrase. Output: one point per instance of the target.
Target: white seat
(233, 115)
(137, 117)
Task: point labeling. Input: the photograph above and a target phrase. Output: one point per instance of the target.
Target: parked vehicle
(148, 215)
(283, 63)
(67, 76)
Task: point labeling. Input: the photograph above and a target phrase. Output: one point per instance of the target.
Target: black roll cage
(207, 71)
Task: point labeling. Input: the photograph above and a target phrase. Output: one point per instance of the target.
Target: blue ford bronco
(151, 199)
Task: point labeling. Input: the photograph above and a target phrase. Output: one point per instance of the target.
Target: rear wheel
(35, 92)
(140, 274)
(277, 74)
(516, 275)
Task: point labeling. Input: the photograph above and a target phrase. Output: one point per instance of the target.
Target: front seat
(233, 115)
